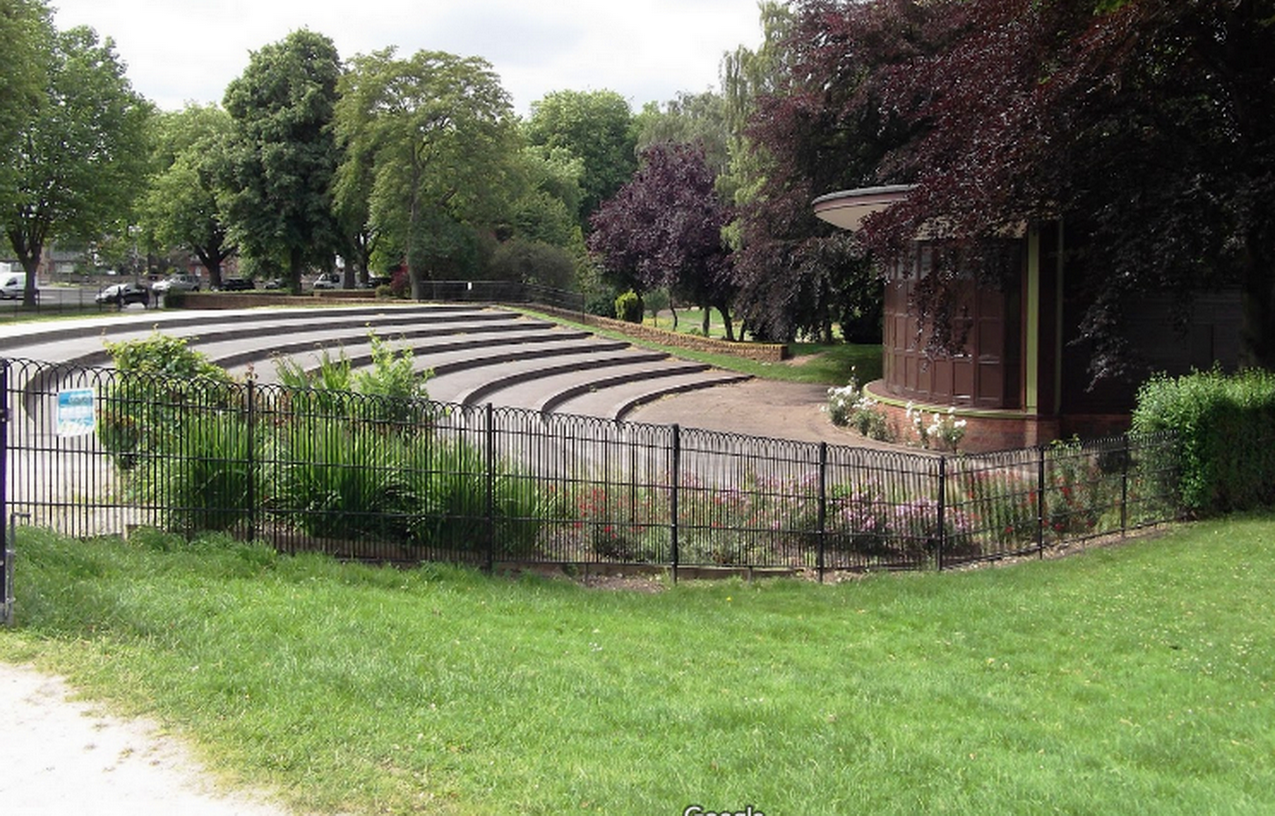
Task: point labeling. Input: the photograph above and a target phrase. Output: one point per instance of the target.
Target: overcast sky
(180, 51)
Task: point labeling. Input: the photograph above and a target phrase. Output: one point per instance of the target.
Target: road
(66, 298)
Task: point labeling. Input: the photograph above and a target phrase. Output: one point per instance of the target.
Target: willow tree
(428, 140)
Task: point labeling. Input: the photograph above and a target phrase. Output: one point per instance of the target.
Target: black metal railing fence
(90, 451)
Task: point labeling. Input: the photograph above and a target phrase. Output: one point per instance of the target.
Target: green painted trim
(1032, 351)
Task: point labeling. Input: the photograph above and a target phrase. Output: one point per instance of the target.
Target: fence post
(6, 556)
(252, 460)
(4, 439)
(1124, 487)
(490, 466)
(823, 507)
(942, 510)
(1040, 502)
(675, 477)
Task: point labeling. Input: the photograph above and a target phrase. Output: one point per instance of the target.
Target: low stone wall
(233, 300)
(985, 431)
(761, 352)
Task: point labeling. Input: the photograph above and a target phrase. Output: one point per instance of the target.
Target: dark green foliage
(527, 261)
(628, 307)
(1224, 425)
(161, 386)
(282, 153)
(211, 479)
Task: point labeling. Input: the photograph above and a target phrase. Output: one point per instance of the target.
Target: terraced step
(615, 399)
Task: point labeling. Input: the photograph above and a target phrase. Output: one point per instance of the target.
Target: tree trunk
(29, 249)
(296, 266)
(726, 323)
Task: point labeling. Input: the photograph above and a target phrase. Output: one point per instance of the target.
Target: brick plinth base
(999, 430)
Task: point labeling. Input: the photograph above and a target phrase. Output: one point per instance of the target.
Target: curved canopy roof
(848, 208)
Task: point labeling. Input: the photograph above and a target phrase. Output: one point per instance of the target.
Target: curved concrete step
(615, 399)
(235, 355)
(471, 386)
(84, 344)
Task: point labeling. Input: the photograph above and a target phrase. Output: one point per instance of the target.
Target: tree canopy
(24, 30)
(435, 133)
(84, 151)
(807, 134)
(664, 229)
(181, 207)
(594, 126)
(276, 193)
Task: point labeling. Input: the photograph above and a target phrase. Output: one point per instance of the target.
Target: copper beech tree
(1146, 126)
(663, 229)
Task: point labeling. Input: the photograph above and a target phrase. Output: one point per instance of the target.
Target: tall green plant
(209, 480)
(160, 386)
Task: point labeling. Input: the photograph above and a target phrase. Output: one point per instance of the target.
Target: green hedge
(1225, 424)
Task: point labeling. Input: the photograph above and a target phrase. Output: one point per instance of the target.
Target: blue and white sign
(75, 412)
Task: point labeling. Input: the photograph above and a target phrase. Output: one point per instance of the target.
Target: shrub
(1223, 425)
(210, 482)
(850, 406)
(628, 307)
(159, 386)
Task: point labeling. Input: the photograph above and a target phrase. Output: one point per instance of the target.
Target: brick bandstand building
(1021, 377)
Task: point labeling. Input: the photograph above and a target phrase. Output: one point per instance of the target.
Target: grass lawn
(1135, 679)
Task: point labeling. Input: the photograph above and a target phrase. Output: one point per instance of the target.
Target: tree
(695, 119)
(83, 155)
(596, 127)
(24, 28)
(664, 229)
(546, 194)
(1147, 126)
(813, 129)
(276, 192)
(181, 207)
(436, 131)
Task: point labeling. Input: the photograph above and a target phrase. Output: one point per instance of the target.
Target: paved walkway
(60, 756)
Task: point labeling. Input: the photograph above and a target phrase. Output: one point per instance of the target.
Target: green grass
(1135, 679)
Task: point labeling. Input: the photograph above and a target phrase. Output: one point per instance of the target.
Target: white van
(12, 284)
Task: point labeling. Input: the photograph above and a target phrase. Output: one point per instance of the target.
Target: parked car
(237, 284)
(179, 282)
(12, 285)
(374, 281)
(122, 294)
(328, 280)
(276, 283)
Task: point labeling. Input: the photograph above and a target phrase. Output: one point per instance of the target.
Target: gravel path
(61, 756)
